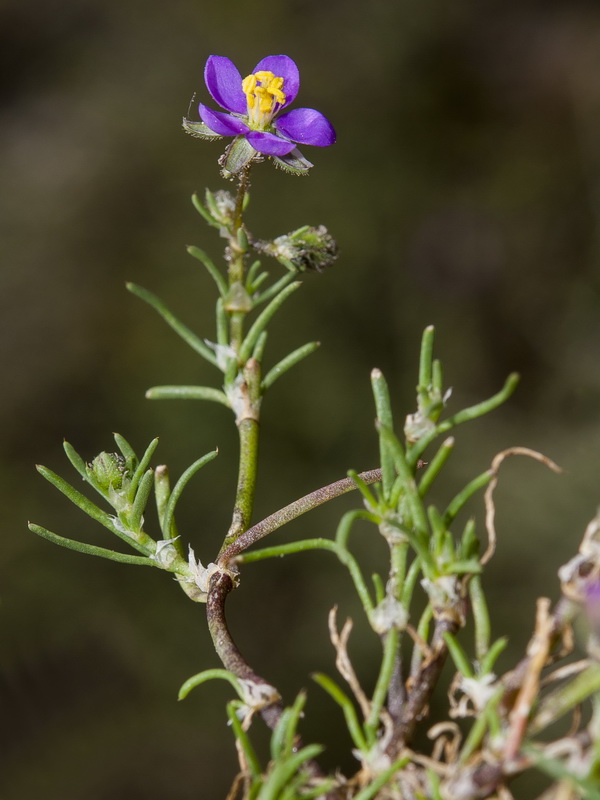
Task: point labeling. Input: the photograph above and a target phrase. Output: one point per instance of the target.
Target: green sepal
(293, 162)
(237, 156)
(199, 129)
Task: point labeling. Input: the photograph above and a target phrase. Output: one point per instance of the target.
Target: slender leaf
(90, 549)
(211, 268)
(141, 469)
(180, 486)
(263, 320)
(187, 393)
(175, 324)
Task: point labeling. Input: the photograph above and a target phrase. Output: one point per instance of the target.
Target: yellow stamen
(264, 95)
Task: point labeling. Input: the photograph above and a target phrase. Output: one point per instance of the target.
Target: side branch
(293, 510)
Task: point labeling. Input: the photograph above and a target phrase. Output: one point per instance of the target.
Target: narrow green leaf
(462, 567)
(89, 549)
(140, 501)
(566, 697)
(467, 414)
(481, 618)
(208, 675)
(273, 290)
(342, 699)
(410, 582)
(204, 213)
(457, 503)
(362, 487)
(370, 791)
(251, 275)
(259, 347)
(383, 409)
(379, 587)
(140, 469)
(263, 320)
(435, 466)
(126, 449)
(425, 361)
(175, 324)
(243, 739)
(486, 663)
(162, 492)
(460, 658)
(437, 379)
(253, 287)
(222, 324)
(478, 410)
(211, 268)
(76, 460)
(285, 770)
(187, 393)
(410, 487)
(77, 498)
(180, 486)
(287, 363)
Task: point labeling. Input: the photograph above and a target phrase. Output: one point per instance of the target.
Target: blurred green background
(463, 191)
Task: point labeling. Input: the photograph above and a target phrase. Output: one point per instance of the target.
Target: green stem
(246, 485)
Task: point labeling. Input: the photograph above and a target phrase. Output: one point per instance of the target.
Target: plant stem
(291, 511)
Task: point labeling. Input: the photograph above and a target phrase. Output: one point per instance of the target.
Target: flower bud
(307, 249)
(108, 470)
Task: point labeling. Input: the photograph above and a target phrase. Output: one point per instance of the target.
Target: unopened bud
(108, 470)
(308, 249)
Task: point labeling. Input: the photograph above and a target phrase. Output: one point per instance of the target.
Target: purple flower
(252, 111)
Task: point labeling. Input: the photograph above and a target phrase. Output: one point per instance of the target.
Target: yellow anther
(249, 84)
(263, 91)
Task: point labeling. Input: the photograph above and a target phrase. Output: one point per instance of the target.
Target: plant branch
(292, 511)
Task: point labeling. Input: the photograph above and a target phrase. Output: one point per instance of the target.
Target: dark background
(464, 192)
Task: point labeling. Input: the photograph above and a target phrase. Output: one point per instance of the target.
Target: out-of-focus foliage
(463, 192)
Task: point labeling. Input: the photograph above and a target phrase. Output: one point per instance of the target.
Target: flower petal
(268, 144)
(224, 82)
(222, 123)
(306, 126)
(282, 67)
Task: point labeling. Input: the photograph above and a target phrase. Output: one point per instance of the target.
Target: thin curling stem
(291, 511)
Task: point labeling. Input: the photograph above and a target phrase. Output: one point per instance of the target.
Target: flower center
(264, 97)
